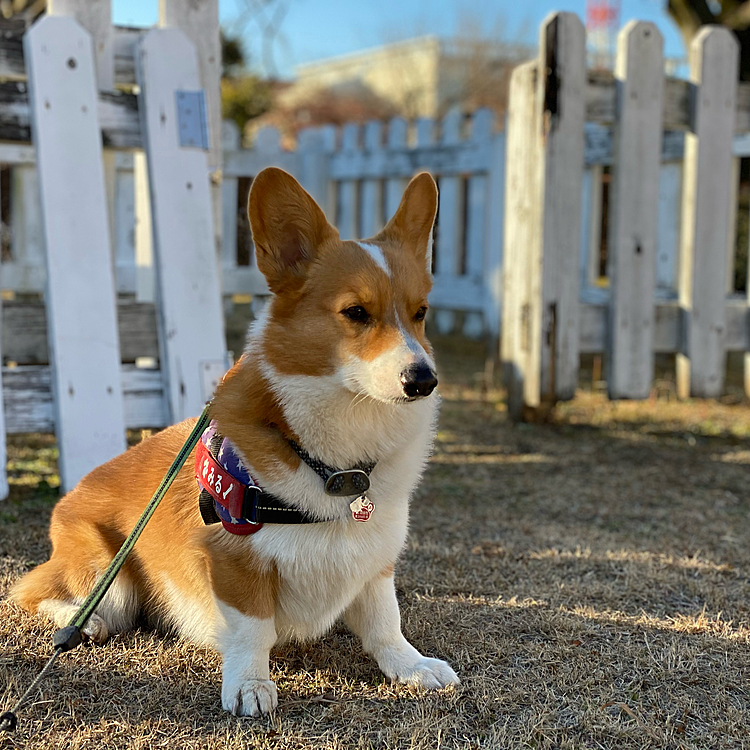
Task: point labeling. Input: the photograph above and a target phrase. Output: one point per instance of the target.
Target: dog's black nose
(418, 380)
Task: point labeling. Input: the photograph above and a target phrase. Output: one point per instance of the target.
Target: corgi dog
(329, 417)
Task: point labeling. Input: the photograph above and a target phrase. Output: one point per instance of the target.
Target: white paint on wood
(229, 208)
(27, 393)
(123, 224)
(81, 309)
(634, 204)
(315, 146)
(449, 241)
(199, 21)
(26, 272)
(145, 273)
(347, 199)
(705, 213)
(3, 457)
(395, 186)
(371, 191)
(96, 17)
(190, 312)
(668, 246)
(495, 218)
(521, 220)
(554, 307)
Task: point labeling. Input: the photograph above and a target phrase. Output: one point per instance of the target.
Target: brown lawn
(589, 579)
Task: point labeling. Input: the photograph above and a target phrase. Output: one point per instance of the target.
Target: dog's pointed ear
(288, 228)
(411, 225)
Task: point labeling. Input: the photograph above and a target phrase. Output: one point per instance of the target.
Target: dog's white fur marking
(374, 617)
(377, 255)
(380, 378)
(187, 614)
(245, 643)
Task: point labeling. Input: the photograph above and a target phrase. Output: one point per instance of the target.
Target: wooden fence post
(3, 454)
(449, 241)
(80, 301)
(634, 206)
(543, 216)
(706, 197)
(199, 21)
(191, 322)
(371, 194)
(347, 204)
(395, 186)
(315, 146)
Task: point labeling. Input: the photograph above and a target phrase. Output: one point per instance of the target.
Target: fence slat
(475, 219)
(81, 310)
(395, 186)
(191, 321)
(495, 212)
(668, 245)
(3, 456)
(371, 191)
(634, 211)
(449, 243)
(705, 213)
(347, 192)
(229, 188)
(521, 221)
(544, 353)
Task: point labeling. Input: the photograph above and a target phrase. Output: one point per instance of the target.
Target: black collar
(259, 507)
(339, 482)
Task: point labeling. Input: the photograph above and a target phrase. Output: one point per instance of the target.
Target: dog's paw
(249, 698)
(96, 630)
(430, 674)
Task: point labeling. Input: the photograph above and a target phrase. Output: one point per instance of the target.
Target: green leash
(69, 637)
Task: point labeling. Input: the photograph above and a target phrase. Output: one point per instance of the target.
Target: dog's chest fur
(322, 567)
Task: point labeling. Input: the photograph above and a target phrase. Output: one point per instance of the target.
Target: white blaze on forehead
(377, 255)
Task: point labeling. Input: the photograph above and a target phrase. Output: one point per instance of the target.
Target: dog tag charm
(362, 508)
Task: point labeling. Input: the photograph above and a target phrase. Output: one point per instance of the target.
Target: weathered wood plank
(560, 93)
(191, 322)
(29, 407)
(395, 186)
(667, 327)
(3, 456)
(521, 220)
(96, 17)
(117, 114)
(705, 213)
(348, 193)
(81, 310)
(371, 190)
(449, 237)
(634, 211)
(199, 21)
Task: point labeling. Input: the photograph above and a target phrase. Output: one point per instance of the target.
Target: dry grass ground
(589, 579)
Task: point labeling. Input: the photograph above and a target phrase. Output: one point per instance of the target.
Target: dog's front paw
(429, 673)
(250, 698)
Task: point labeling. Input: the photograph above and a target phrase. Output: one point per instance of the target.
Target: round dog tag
(362, 508)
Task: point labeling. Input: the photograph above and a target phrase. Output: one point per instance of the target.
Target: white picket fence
(670, 249)
(532, 193)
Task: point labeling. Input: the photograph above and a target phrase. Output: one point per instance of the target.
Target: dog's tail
(44, 582)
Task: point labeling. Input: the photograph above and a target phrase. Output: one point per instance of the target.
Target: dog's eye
(419, 316)
(357, 313)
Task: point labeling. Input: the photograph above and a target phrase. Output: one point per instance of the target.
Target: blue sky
(313, 29)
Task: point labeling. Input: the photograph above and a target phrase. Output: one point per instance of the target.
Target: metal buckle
(248, 503)
(351, 482)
